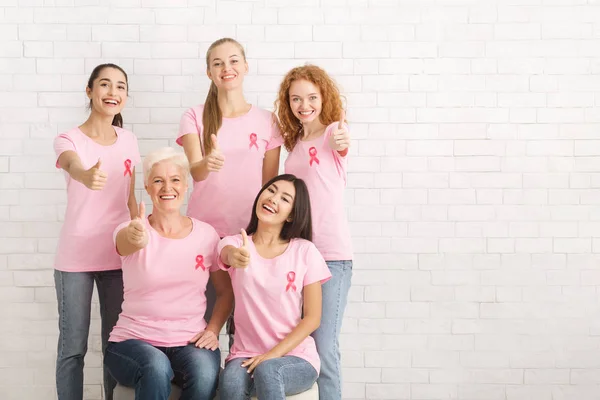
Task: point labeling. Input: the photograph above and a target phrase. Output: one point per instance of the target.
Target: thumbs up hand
(94, 178)
(215, 160)
(136, 230)
(340, 139)
(240, 257)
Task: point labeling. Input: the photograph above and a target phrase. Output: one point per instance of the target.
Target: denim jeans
(335, 297)
(273, 379)
(150, 369)
(74, 294)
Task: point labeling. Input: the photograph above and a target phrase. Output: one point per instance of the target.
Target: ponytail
(118, 120)
(212, 118)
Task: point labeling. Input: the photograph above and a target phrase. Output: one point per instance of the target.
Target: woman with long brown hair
(232, 146)
(98, 159)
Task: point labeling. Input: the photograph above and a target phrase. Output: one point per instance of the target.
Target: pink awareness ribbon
(200, 262)
(291, 277)
(253, 138)
(313, 155)
(127, 167)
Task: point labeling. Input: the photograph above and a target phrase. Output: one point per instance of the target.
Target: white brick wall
(472, 185)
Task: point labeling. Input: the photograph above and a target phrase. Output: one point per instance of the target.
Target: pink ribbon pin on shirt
(291, 277)
(313, 155)
(200, 262)
(127, 167)
(253, 138)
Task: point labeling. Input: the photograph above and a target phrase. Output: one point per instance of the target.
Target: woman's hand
(254, 362)
(215, 160)
(240, 257)
(206, 340)
(136, 230)
(94, 178)
(340, 139)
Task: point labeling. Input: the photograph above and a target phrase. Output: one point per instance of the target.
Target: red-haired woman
(311, 117)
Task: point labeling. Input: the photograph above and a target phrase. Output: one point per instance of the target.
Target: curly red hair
(332, 102)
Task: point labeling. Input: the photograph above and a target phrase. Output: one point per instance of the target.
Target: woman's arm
(131, 201)
(209, 338)
(309, 323)
(191, 147)
(93, 178)
(224, 303)
(270, 164)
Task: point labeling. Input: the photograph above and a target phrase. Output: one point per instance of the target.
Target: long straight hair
(301, 224)
(212, 117)
(118, 119)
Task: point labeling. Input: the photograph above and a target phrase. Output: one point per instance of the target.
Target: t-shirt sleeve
(235, 240)
(63, 143)
(316, 268)
(190, 122)
(276, 137)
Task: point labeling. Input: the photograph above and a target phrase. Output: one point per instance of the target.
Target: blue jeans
(335, 297)
(273, 379)
(150, 369)
(74, 294)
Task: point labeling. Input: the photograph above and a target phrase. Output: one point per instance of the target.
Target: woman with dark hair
(99, 159)
(276, 274)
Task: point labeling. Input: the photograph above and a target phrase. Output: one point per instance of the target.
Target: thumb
(142, 210)
(244, 238)
(215, 143)
(98, 164)
(342, 119)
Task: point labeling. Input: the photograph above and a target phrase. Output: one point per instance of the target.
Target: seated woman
(276, 274)
(167, 259)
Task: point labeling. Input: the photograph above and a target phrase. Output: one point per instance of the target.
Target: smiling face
(276, 202)
(305, 101)
(227, 66)
(108, 92)
(167, 185)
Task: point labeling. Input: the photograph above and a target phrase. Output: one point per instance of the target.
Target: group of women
(268, 254)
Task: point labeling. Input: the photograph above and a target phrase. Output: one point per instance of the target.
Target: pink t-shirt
(268, 298)
(164, 287)
(324, 172)
(224, 199)
(85, 239)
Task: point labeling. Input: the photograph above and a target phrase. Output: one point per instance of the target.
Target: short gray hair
(165, 154)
